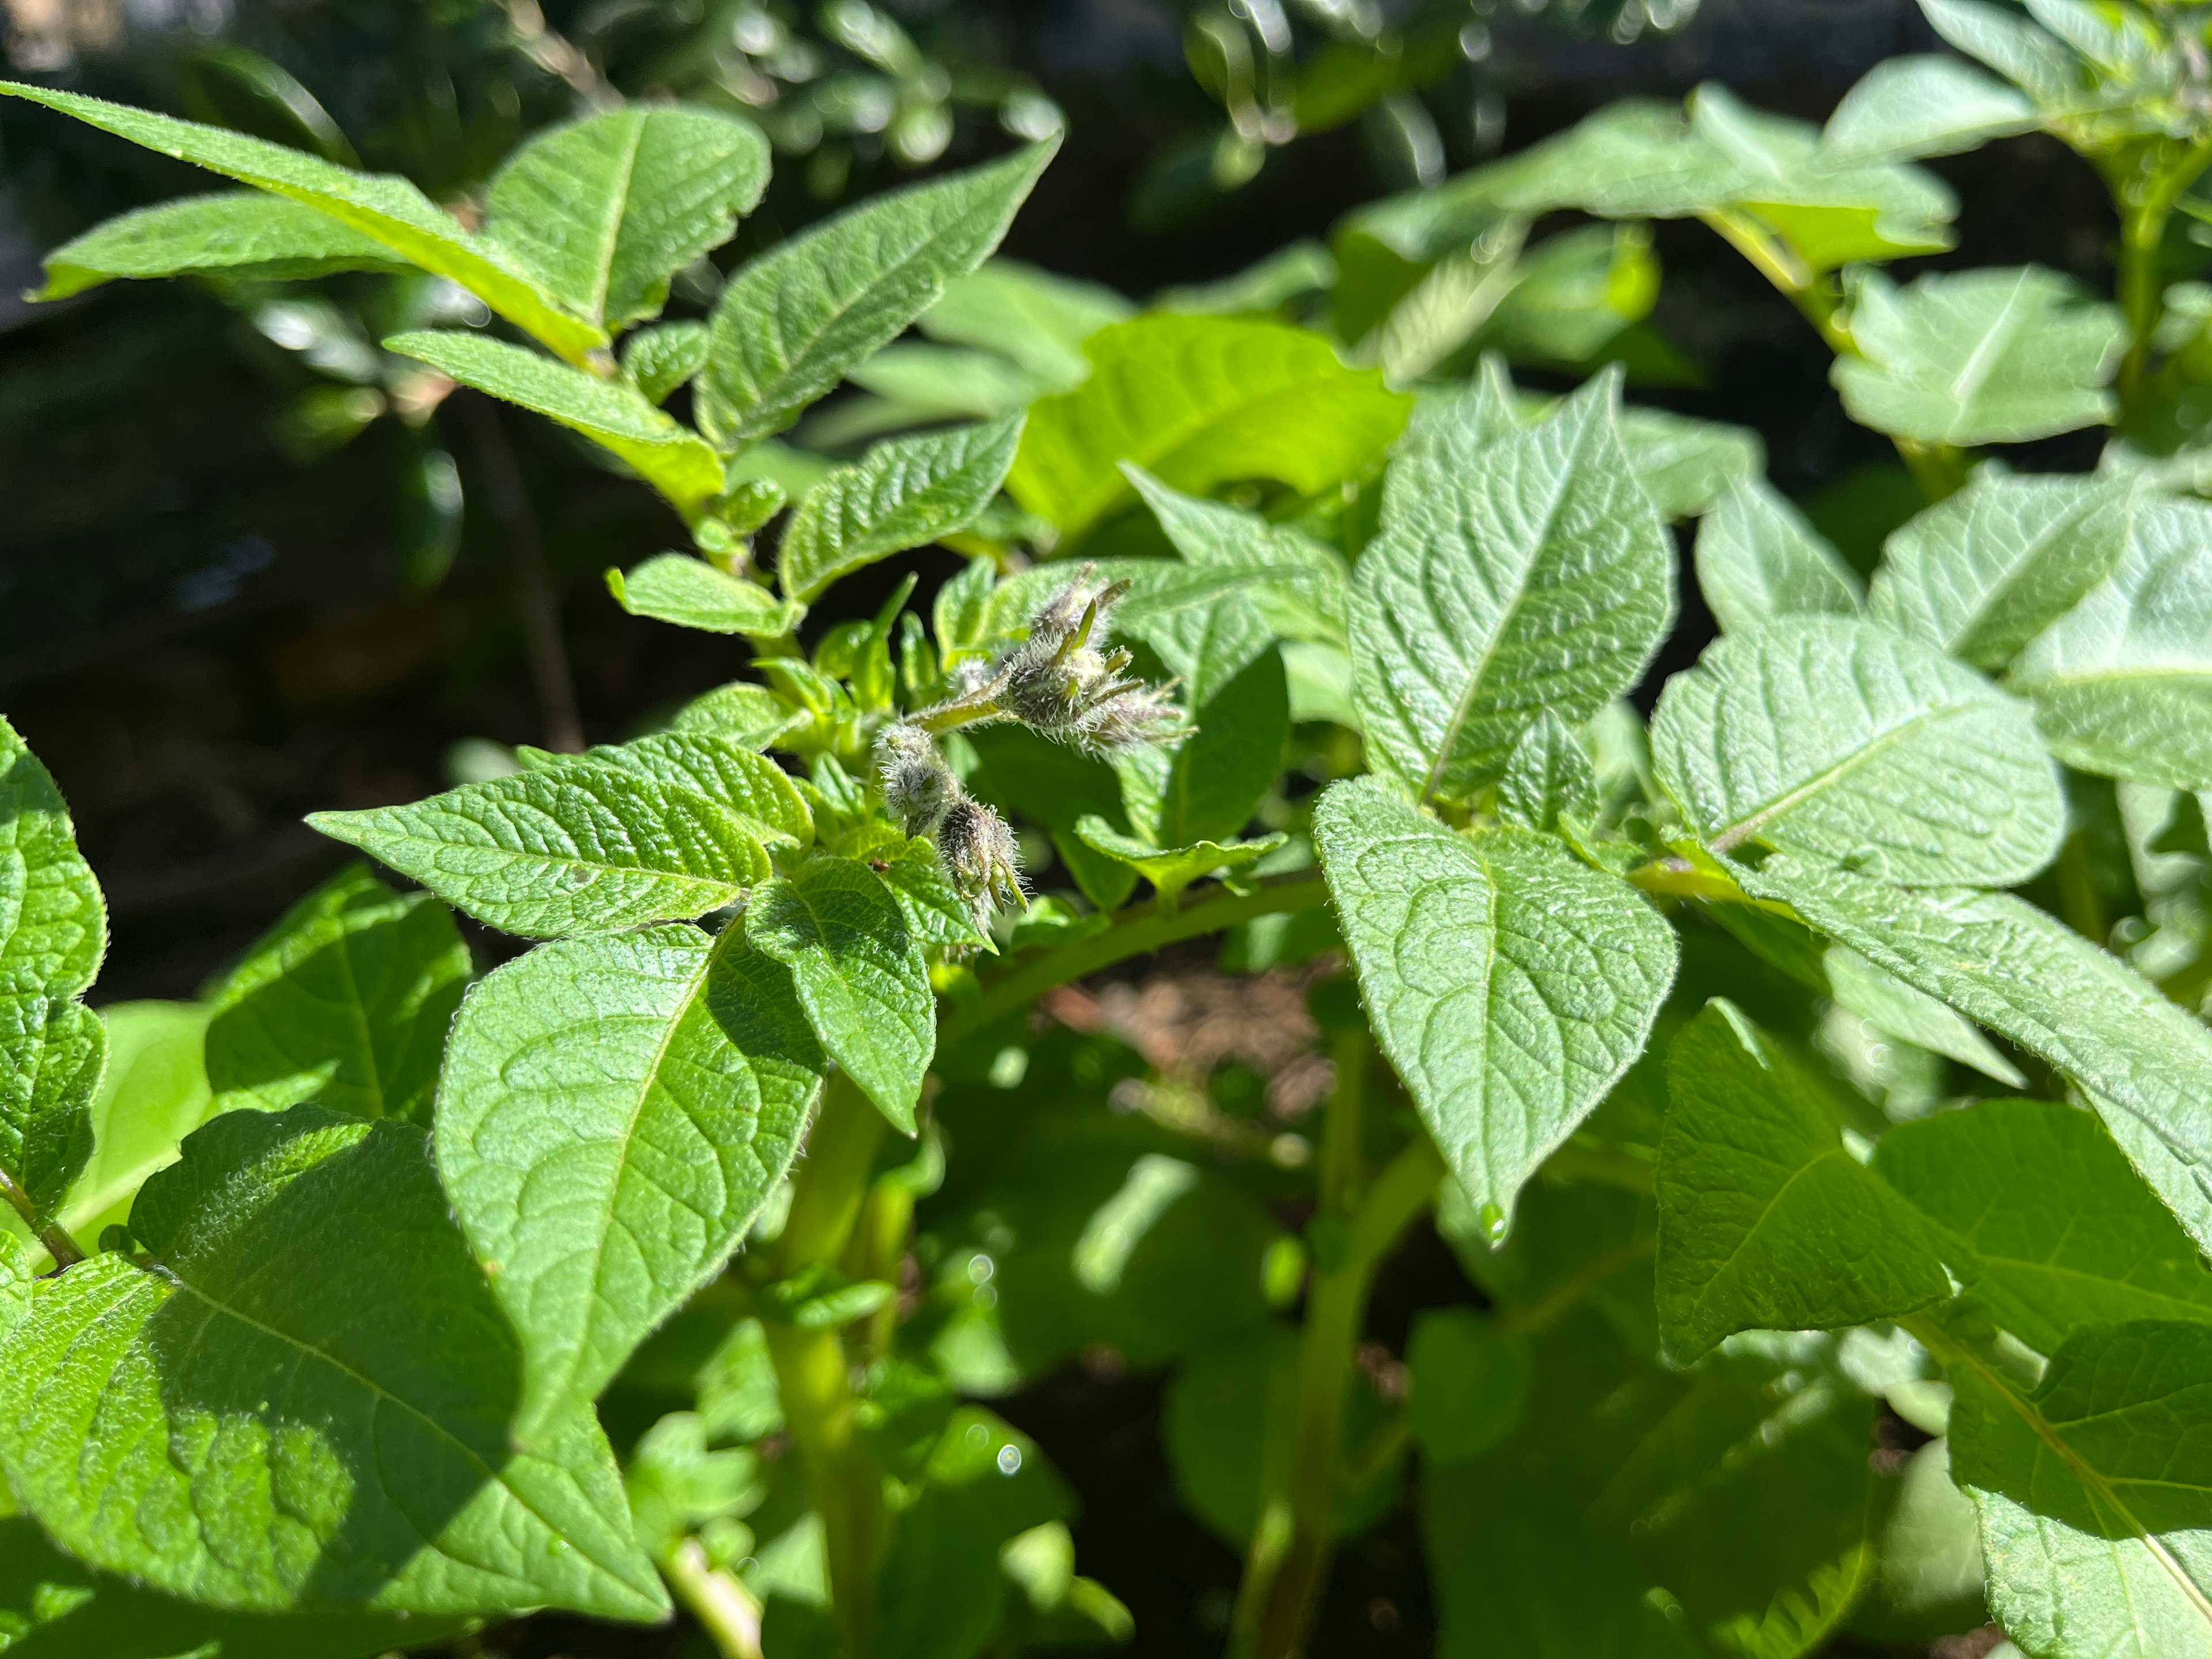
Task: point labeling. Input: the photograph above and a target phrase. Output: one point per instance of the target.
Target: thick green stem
(812, 1373)
(724, 1608)
(1288, 1567)
(1137, 934)
(55, 1236)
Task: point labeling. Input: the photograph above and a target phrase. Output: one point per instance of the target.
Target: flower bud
(980, 854)
(919, 788)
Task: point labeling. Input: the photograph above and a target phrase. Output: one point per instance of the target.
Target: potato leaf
(242, 233)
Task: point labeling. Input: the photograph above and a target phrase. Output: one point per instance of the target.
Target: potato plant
(1810, 1080)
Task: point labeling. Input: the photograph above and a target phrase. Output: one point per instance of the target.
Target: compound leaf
(344, 1002)
(2121, 683)
(2095, 1492)
(2145, 1065)
(1979, 356)
(1757, 559)
(790, 323)
(859, 974)
(581, 847)
(667, 454)
(1200, 401)
(1510, 983)
(1983, 571)
(324, 1383)
(2068, 1235)
(613, 1112)
(242, 233)
(603, 211)
(1766, 1222)
(1836, 737)
(1526, 574)
(675, 588)
(904, 493)
(383, 207)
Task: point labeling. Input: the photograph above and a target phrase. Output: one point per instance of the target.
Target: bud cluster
(976, 845)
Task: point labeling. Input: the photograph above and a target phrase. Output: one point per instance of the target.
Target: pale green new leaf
(675, 587)
(1034, 318)
(1200, 401)
(576, 848)
(749, 715)
(384, 207)
(904, 493)
(1298, 585)
(613, 1112)
(1914, 107)
(325, 1382)
(344, 1002)
(239, 232)
(1684, 463)
(859, 974)
(2095, 1492)
(1172, 869)
(1548, 773)
(1839, 738)
(1859, 987)
(2068, 1235)
(2122, 684)
(1983, 571)
(1979, 356)
(2145, 1065)
(603, 211)
(790, 323)
(1528, 573)
(53, 932)
(1510, 983)
(657, 360)
(1757, 559)
(2039, 64)
(666, 454)
(1766, 1222)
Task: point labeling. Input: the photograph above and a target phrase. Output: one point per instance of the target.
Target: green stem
(53, 1236)
(1286, 1575)
(1138, 933)
(812, 1372)
(724, 1608)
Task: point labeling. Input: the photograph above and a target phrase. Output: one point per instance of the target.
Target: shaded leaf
(1914, 107)
(1757, 559)
(1172, 869)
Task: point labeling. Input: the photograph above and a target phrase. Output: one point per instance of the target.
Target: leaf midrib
(1735, 834)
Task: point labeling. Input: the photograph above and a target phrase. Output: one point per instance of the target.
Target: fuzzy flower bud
(919, 788)
(979, 852)
(1059, 684)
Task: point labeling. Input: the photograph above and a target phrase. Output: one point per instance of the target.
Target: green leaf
(1036, 318)
(730, 773)
(675, 588)
(905, 493)
(1862, 988)
(1510, 577)
(2041, 66)
(2068, 1235)
(859, 974)
(239, 232)
(52, 1608)
(1836, 737)
(1298, 585)
(657, 360)
(1197, 402)
(2145, 1065)
(1765, 1221)
(1979, 356)
(1757, 559)
(1639, 1513)
(383, 207)
(1914, 107)
(1549, 772)
(1684, 463)
(1983, 571)
(613, 1112)
(603, 211)
(1172, 869)
(577, 848)
(2122, 684)
(1470, 1385)
(154, 1094)
(936, 913)
(745, 713)
(1510, 983)
(344, 1002)
(1215, 777)
(792, 322)
(324, 1448)
(2095, 1492)
(53, 932)
(666, 454)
